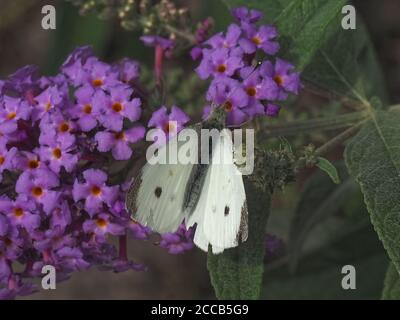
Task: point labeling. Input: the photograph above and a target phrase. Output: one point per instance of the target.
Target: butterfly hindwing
(221, 212)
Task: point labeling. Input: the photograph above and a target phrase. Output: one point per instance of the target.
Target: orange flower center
(63, 127)
(96, 191)
(57, 153)
(37, 191)
(251, 91)
(169, 127)
(256, 40)
(228, 106)
(101, 223)
(11, 115)
(87, 109)
(97, 82)
(2, 159)
(278, 79)
(119, 135)
(33, 164)
(48, 106)
(221, 68)
(18, 212)
(117, 107)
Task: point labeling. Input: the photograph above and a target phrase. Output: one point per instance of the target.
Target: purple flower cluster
(57, 137)
(245, 91)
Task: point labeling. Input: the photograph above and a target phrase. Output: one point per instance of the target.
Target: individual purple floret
(116, 107)
(246, 15)
(118, 142)
(83, 111)
(168, 124)
(59, 151)
(21, 212)
(152, 41)
(94, 191)
(39, 186)
(287, 80)
(14, 109)
(101, 226)
(46, 101)
(128, 70)
(230, 94)
(220, 63)
(179, 241)
(262, 38)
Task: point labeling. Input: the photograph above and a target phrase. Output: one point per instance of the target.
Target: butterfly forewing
(158, 194)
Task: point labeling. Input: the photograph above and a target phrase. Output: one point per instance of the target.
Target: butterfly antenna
(221, 116)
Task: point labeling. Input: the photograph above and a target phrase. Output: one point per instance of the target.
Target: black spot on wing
(158, 192)
(226, 211)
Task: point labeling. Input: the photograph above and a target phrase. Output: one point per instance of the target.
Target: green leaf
(320, 199)
(391, 289)
(237, 273)
(319, 276)
(73, 31)
(303, 24)
(373, 159)
(347, 66)
(342, 61)
(326, 166)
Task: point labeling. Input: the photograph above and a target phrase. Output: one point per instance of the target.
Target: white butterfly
(211, 196)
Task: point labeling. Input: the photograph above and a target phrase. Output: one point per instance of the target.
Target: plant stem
(158, 63)
(123, 248)
(307, 126)
(339, 139)
(187, 36)
(395, 107)
(237, 273)
(330, 95)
